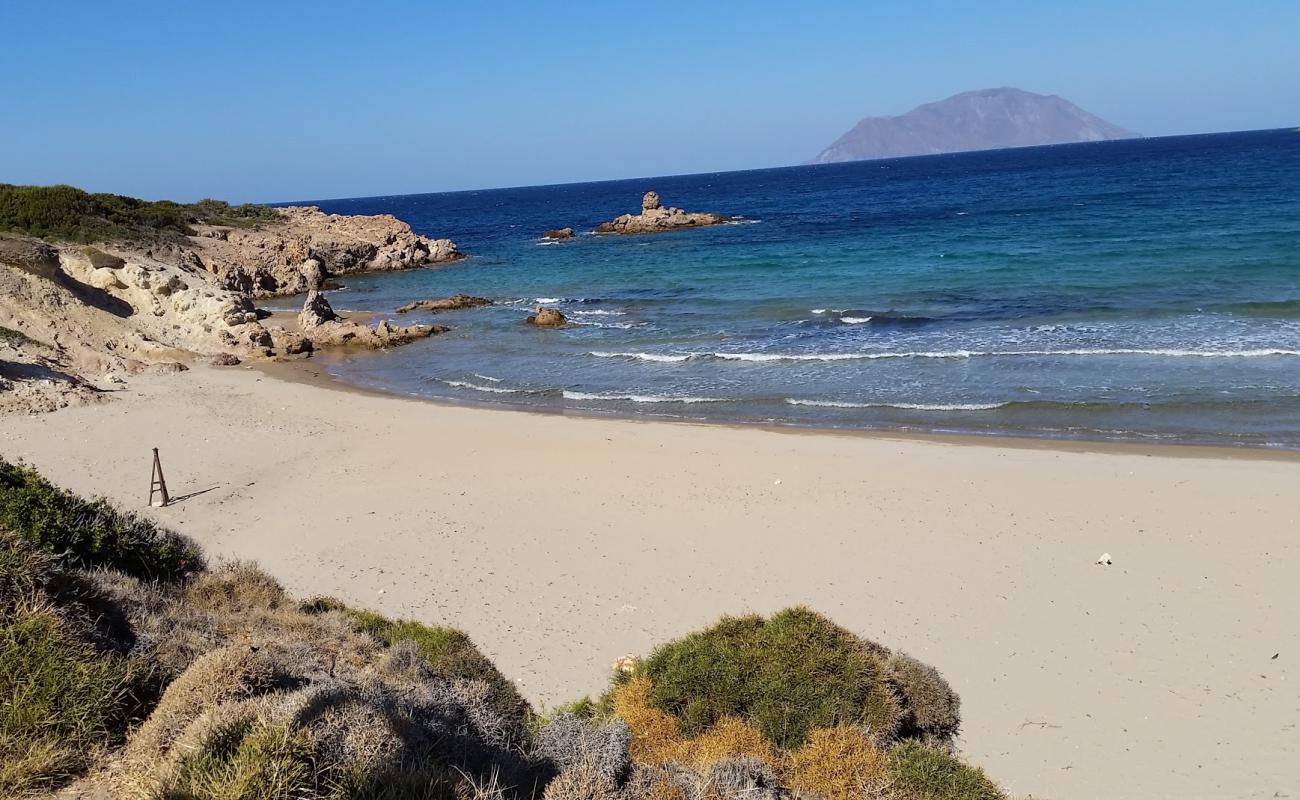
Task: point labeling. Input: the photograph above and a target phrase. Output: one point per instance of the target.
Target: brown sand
(561, 543)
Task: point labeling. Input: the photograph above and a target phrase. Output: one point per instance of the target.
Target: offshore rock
(655, 218)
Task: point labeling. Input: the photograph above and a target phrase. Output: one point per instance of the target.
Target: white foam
(1119, 351)
(545, 300)
(487, 378)
(909, 406)
(620, 325)
(639, 398)
(475, 387)
(854, 320)
(598, 312)
(659, 357)
(819, 311)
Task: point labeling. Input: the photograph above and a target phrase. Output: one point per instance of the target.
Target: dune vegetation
(70, 214)
(129, 668)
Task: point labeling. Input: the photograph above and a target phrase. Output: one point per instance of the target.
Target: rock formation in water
(558, 233)
(655, 218)
(988, 119)
(456, 302)
(547, 318)
(324, 328)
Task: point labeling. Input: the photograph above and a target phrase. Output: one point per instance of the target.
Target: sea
(1142, 290)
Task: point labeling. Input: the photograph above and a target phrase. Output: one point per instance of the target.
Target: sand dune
(561, 543)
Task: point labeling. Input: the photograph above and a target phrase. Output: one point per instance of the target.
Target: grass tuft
(918, 772)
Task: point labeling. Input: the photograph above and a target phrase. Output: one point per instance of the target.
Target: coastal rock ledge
(655, 218)
(307, 246)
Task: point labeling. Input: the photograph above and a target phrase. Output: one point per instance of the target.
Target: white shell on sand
(1104, 559)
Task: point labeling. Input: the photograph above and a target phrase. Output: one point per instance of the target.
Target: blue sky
(285, 100)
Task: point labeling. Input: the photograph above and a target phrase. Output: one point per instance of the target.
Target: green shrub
(449, 653)
(918, 772)
(788, 675)
(91, 533)
(68, 213)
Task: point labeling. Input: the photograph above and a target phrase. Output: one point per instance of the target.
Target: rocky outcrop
(655, 218)
(277, 258)
(547, 318)
(456, 302)
(30, 255)
(324, 328)
(558, 233)
(113, 322)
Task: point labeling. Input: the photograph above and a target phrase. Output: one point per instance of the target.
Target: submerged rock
(454, 303)
(655, 218)
(547, 318)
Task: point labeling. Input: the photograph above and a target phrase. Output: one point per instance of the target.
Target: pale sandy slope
(562, 543)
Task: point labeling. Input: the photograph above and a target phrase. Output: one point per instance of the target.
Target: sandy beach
(561, 543)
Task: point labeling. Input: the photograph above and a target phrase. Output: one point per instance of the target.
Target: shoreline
(559, 543)
(315, 374)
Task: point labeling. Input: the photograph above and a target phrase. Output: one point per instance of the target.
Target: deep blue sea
(1145, 289)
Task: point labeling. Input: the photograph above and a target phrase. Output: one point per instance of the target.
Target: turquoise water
(1142, 289)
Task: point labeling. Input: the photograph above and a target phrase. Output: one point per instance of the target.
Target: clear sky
(278, 100)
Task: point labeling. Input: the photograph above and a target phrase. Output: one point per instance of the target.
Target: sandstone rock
(171, 284)
(655, 218)
(224, 360)
(290, 343)
(558, 233)
(316, 310)
(105, 279)
(547, 318)
(454, 303)
(313, 274)
(30, 255)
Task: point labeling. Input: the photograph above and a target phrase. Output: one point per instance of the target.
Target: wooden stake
(158, 484)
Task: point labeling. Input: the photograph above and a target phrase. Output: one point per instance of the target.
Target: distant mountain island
(987, 119)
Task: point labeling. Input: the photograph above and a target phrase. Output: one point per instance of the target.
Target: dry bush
(232, 673)
(655, 735)
(569, 741)
(840, 763)
(729, 739)
(583, 782)
(931, 709)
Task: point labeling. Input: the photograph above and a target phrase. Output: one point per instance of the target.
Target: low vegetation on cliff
(129, 669)
(71, 214)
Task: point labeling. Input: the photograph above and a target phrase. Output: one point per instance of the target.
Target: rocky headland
(656, 218)
(169, 287)
(269, 259)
